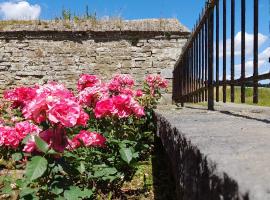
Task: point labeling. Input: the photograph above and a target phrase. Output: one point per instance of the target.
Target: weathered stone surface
(95, 25)
(34, 52)
(220, 154)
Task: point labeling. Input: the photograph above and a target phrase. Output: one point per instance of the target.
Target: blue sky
(185, 11)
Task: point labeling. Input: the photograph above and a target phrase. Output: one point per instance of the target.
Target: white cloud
(264, 55)
(20, 10)
(262, 61)
(237, 44)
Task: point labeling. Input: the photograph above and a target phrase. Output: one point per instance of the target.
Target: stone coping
(164, 25)
(222, 154)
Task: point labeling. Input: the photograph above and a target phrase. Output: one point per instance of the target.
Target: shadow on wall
(196, 177)
(163, 182)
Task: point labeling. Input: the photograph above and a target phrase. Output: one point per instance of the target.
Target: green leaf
(56, 190)
(41, 144)
(126, 154)
(27, 191)
(75, 193)
(36, 167)
(51, 151)
(6, 189)
(81, 168)
(25, 140)
(16, 156)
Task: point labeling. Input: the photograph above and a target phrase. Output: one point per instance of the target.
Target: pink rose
(104, 107)
(20, 96)
(9, 137)
(122, 105)
(88, 139)
(137, 109)
(87, 80)
(56, 138)
(156, 81)
(25, 128)
(30, 146)
(120, 82)
(138, 93)
(36, 109)
(83, 118)
(65, 112)
(90, 95)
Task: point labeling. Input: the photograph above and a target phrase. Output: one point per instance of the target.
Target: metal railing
(195, 78)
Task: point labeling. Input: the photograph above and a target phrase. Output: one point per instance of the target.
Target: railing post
(255, 51)
(210, 60)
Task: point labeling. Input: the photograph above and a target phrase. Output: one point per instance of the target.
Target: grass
(264, 96)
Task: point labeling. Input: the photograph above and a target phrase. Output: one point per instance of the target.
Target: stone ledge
(216, 154)
(164, 25)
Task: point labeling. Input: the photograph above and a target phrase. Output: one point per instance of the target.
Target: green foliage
(36, 168)
(66, 14)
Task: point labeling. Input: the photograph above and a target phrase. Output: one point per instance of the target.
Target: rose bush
(71, 145)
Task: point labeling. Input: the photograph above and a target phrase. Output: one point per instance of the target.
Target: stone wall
(35, 53)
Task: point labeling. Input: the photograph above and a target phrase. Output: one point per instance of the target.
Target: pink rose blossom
(20, 96)
(12, 136)
(56, 138)
(138, 93)
(83, 118)
(156, 81)
(25, 128)
(65, 112)
(121, 82)
(137, 109)
(88, 139)
(122, 105)
(90, 95)
(55, 90)
(36, 109)
(87, 80)
(30, 146)
(9, 137)
(104, 107)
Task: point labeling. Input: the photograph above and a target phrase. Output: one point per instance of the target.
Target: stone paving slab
(234, 138)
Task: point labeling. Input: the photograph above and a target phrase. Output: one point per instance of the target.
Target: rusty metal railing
(195, 78)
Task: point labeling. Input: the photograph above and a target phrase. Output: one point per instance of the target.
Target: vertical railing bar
(210, 60)
(203, 79)
(243, 51)
(192, 73)
(255, 52)
(187, 77)
(200, 65)
(217, 50)
(232, 47)
(224, 49)
(184, 80)
(206, 58)
(196, 69)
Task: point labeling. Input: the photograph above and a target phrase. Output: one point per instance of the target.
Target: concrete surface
(234, 143)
